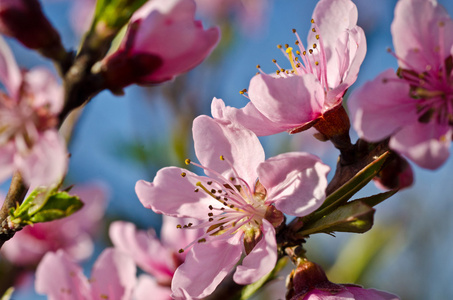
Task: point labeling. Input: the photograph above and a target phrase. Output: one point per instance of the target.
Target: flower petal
(7, 152)
(147, 286)
(381, 107)
(173, 195)
(261, 260)
(176, 238)
(45, 89)
(61, 279)
(10, 75)
(47, 162)
(213, 138)
(249, 117)
(422, 34)
(168, 29)
(113, 276)
(428, 145)
(145, 248)
(205, 267)
(295, 182)
(290, 101)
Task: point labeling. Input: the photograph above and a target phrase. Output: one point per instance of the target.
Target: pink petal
(240, 146)
(47, 162)
(10, 75)
(370, 294)
(168, 29)
(147, 288)
(418, 38)
(45, 89)
(205, 267)
(174, 238)
(61, 279)
(426, 144)
(381, 107)
(290, 101)
(333, 18)
(261, 260)
(173, 195)
(145, 248)
(7, 152)
(113, 276)
(343, 41)
(295, 182)
(249, 117)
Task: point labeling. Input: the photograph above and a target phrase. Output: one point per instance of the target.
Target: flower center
(236, 207)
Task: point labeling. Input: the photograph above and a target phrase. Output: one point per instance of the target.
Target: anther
(312, 21)
(274, 61)
(314, 46)
(316, 62)
(190, 224)
(313, 30)
(179, 226)
(213, 191)
(304, 53)
(317, 36)
(203, 240)
(209, 182)
(210, 214)
(286, 46)
(183, 174)
(258, 66)
(187, 161)
(210, 207)
(296, 42)
(297, 52)
(196, 190)
(181, 250)
(278, 72)
(294, 30)
(279, 46)
(222, 157)
(310, 51)
(232, 178)
(211, 219)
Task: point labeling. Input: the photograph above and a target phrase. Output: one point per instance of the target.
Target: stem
(16, 194)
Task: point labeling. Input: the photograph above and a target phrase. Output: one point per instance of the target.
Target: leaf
(251, 289)
(347, 190)
(44, 205)
(355, 216)
(378, 198)
(59, 205)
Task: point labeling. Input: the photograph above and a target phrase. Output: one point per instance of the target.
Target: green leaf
(378, 198)
(59, 205)
(355, 216)
(347, 190)
(251, 289)
(114, 14)
(44, 205)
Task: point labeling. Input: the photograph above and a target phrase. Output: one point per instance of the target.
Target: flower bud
(396, 174)
(309, 282)
(25, 21)
(165, 35)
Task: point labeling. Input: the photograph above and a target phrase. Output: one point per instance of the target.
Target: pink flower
(73, 234)
(237, 212)
(158, 258)
(112, 277)
(295, 99)
(413, 107)
(163, 40)
(29, 141)
(349, 292)
(81, 15)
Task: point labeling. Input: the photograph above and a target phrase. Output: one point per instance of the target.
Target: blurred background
(119, 140)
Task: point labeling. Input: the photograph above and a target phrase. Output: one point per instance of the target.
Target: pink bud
(163, 40)
(396, 174)
(25, 21)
